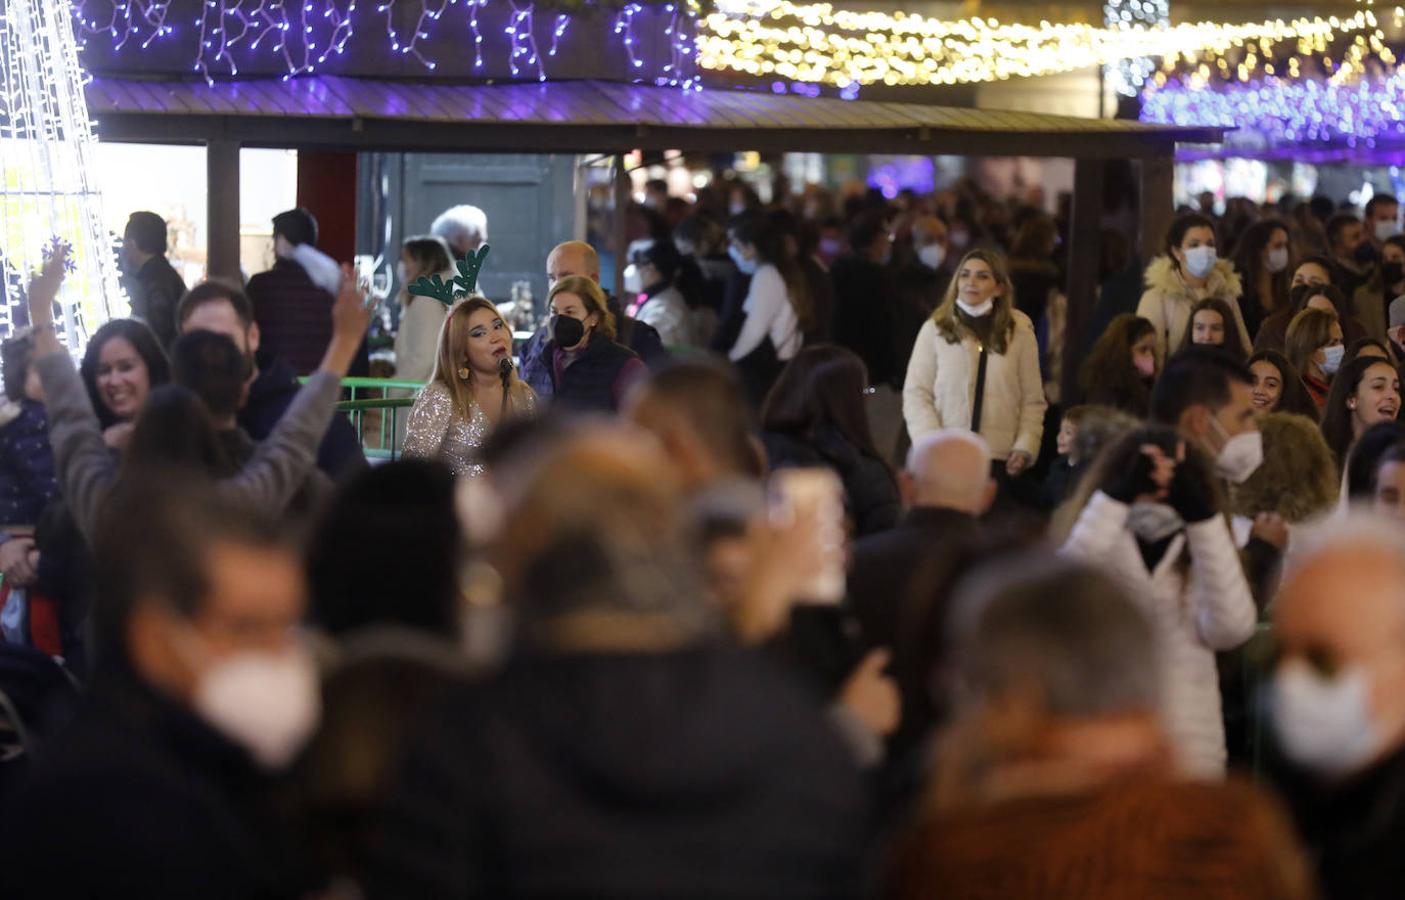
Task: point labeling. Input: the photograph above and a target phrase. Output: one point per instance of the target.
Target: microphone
(505, 368)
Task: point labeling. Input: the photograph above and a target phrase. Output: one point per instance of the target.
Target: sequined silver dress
(435, 430)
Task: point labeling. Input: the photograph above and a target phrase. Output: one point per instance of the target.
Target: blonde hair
(1308, 332)
(453, 355)
(591, 297)
(1003, 319)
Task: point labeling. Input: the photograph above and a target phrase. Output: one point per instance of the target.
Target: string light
(815, 42)
(304, 34)
(46, 162)
(1128, 75)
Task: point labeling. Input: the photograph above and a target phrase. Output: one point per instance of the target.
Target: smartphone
(817, 493)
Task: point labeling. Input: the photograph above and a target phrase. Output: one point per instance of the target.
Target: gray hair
(1038, 621)
(461, 226)
(1359, 527)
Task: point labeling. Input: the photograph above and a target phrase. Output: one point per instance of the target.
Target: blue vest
(586, 385)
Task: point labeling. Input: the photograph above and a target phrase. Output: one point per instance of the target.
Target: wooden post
(1158, 176)
(621, 229)
(222, 214)
(1084, 256)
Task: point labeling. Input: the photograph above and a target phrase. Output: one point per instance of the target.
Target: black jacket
(139, 798)
(269, 396)
(295, 318)
(1354, 829)
(867, 317)
(159, 289)
(884, 565)
(587, 385)
(702, 772)
(870, 492)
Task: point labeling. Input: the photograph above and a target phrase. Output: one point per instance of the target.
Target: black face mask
(1392, 273)
(566, 331)
(1365, 253)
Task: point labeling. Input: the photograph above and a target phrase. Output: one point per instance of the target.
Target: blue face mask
(744, 265)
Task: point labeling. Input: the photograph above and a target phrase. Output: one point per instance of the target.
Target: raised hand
(351, 316)
(44, 287)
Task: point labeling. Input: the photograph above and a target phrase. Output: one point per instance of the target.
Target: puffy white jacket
(1195, 612)
(1168, 301)
(940, 390)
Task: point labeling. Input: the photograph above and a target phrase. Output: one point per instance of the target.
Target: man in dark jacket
(291, 301)
(866, 302)
(224, 309)
(624, 753)
(155, 285)
(947, 488)
(203, 693)
(579, 258)
(1338, 715)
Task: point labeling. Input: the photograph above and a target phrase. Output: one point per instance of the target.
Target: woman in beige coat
(1189, 272)
(976, 365)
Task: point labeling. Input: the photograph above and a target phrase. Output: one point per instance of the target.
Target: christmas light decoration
(46, 161)
(304, 34)
(815, 42)
(1127, 75)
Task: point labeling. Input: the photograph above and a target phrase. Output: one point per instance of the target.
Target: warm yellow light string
(817, 43)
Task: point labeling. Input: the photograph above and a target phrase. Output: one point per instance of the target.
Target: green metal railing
(382, 410)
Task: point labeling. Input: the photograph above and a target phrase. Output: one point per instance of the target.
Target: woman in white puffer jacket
(975, 328)
(1154, 525)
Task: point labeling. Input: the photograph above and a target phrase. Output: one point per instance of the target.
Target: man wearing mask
(1372, 300)
(1338, 703)
(1382, 218)
(203, 693)
(1352, 252)
(579, 258)
(155, 285)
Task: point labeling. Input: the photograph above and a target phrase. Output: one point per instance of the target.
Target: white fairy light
(46, 168)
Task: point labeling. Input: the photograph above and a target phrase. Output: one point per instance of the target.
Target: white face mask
(268, 702)
(932, 255)
(1153, 522)
(1386, 228)
(1277, 260)
(1324, 724)
(633, 282)
(1332, 359)
(1240, 456)
(976, 312)
(1200, 261)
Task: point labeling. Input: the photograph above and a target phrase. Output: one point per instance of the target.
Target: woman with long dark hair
(815, 416)
(1212, 325)
(976, 365)
(1278, 387)
(1263, 258)
(1121, 367)
(1188, 271)
(777, 305)
(121, 364)
(1366, 392)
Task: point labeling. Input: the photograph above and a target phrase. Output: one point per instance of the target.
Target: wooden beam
(1084, 256)
(222, 213)
(1157, 191)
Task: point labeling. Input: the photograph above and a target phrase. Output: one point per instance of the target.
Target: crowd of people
(787, 570)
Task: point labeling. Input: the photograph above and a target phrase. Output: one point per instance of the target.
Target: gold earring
(464, 373)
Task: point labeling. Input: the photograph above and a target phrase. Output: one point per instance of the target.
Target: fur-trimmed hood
(1297, 478)
(1224, 282)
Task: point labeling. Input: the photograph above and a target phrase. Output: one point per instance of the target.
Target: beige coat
(1168, 301)
(940, 390)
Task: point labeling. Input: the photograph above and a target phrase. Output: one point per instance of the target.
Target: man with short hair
(947, 488)
(155, 285)
(1056, 777)
(464, 228)
(1338, 702)
(204, 691)
(1352, 252)
(218, 306)
(1382, 218)
(291, 300)
(1208, 398)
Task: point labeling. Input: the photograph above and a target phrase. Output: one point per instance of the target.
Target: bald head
(928, 230)
(572, 258)
(950, 469)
